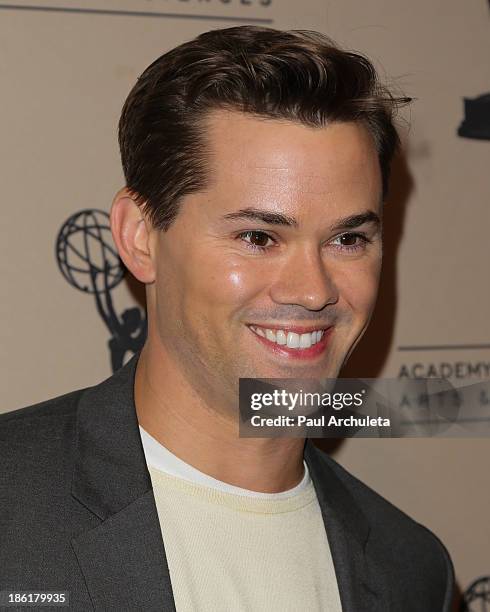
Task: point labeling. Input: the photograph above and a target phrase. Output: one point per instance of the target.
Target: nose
(304, 280)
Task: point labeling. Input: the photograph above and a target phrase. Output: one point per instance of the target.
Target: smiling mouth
(293, 342)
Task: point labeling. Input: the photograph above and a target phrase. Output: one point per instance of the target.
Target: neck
(206, 437)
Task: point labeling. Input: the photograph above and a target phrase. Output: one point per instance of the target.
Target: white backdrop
(64, 77)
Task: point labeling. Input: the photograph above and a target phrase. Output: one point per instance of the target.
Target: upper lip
(298, 329)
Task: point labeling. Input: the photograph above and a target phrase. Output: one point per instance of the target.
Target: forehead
(250, 154)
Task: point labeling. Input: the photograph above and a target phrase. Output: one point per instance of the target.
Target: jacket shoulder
(414, 554)
(37, 430)
(54, 407)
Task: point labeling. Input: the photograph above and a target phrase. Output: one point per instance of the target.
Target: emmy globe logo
(476, 598)
(88, 261)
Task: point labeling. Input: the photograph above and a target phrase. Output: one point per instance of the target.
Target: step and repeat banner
(66, 68)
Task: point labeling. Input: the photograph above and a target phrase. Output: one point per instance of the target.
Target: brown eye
(349, 239)
(256, 239)
(259, 238)
(351, 242)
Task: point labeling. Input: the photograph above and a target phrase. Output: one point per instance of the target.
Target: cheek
(359, 288)
(226, 283)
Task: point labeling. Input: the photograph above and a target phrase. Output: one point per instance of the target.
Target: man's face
(285, 242)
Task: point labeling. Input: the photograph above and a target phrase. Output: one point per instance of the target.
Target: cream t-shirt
(233, 550)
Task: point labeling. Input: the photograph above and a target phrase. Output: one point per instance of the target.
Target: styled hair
(297, 75)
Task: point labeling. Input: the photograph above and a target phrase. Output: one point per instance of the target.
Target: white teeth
(281, 337)
(270, 335)
(305, 340)
(291, 339)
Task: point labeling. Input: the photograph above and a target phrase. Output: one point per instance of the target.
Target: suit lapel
(123, 558)
(359, 580)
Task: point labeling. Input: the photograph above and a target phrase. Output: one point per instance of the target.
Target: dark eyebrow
(267, 216)
(275, 218)
(356, 220)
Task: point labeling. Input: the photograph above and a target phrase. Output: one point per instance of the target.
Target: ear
(132, 233)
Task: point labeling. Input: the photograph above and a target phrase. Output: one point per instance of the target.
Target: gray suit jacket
(77, 514)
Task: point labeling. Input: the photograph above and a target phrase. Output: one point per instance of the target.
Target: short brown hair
(299, 75)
